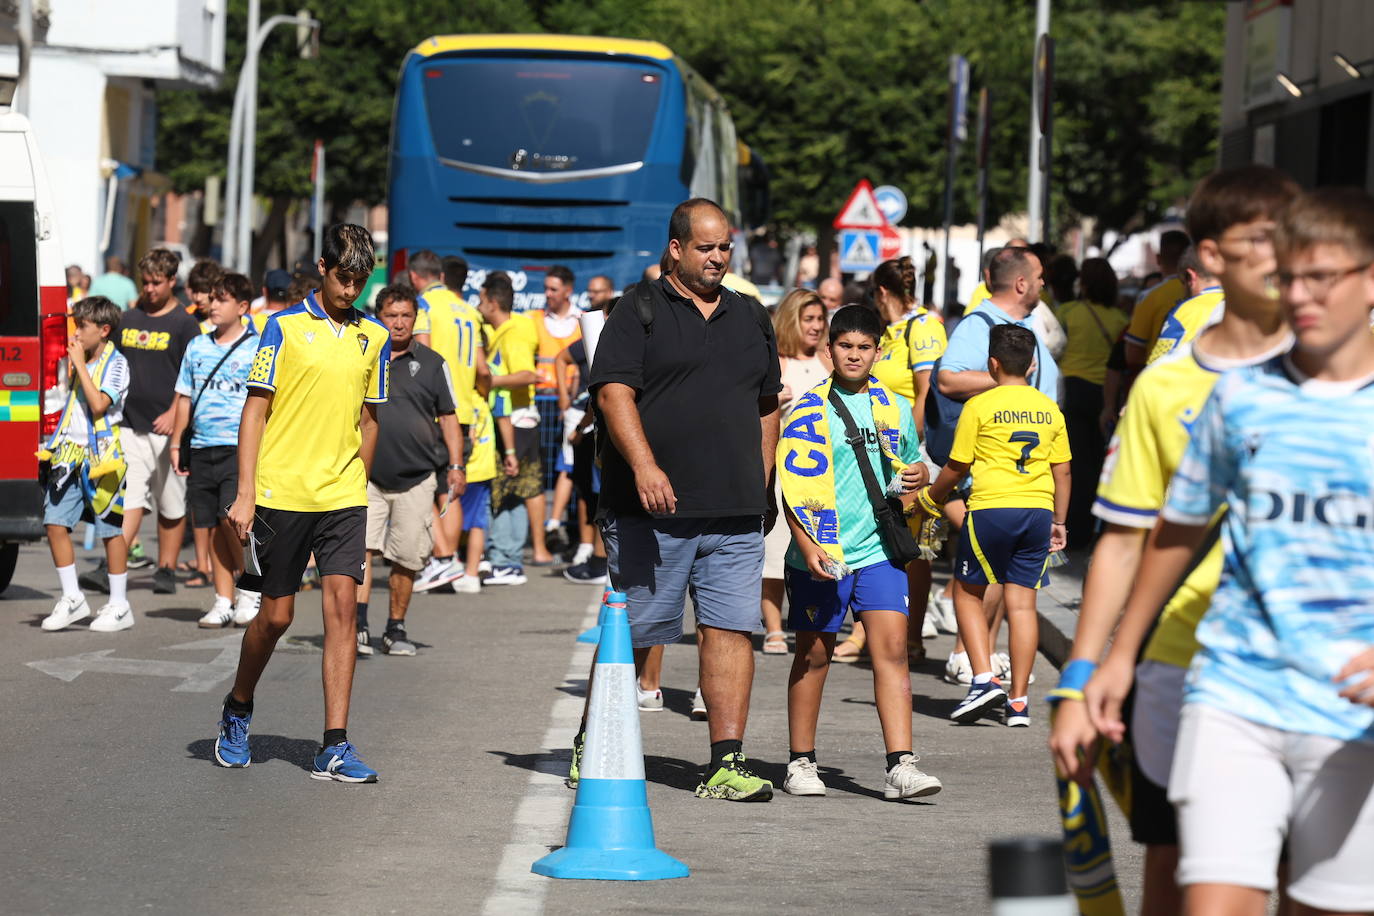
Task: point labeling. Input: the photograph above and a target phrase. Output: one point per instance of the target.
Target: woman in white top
(799, 324)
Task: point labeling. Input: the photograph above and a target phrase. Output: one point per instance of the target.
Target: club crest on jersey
(362, 345)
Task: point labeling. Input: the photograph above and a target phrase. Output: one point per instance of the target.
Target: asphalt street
(113, 803)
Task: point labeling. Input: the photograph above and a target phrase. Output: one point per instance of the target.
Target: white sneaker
(959, 672)
(246, 606)
(113, 617)
(698, 706)
(941, 610)
(483, 567)
(928, 630)
(1001, 668)
(802, 778)
(906, 781)
(68, 610)
(437, 574)
(505, 575)
(650, 700)
(221, 614)
(468, 585)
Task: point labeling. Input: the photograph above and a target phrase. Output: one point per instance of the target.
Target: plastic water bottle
(1027, 878)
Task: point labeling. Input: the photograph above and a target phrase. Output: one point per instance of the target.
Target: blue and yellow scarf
(100, 460)
(806, 459)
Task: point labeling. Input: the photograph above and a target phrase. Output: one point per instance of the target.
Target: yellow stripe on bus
(584, 44)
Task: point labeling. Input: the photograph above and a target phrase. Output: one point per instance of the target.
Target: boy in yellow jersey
(1013, 440)
(476, 499)
(306, 441)
(1155, 303)
(1229, 217)
(1189, 317)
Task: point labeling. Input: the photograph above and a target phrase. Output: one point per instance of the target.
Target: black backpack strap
(876, 495)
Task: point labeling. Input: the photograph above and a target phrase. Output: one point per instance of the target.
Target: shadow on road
(298, 751)
(23, 593)
(182, 614)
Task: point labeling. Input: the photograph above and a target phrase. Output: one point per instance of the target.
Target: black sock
(798, 755)
(333, 736)
(393, 624)
(439, 559)
(362, 615)
(720, 748)
(895, 757)
(234, 706)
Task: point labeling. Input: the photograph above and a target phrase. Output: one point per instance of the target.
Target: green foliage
(828, 91)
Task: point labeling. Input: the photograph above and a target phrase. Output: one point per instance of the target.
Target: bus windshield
(541, 115)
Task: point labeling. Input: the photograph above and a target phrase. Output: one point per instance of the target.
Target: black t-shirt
(409, 444)
(698, 383)
(154, 347)
(577, 352)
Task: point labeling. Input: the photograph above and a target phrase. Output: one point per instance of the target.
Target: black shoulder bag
(887, 511)
(184, 446)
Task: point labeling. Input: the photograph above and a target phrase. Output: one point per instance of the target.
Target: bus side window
(18, 270)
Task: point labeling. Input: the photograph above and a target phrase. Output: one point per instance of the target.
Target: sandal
(775, 643)
(198, 579)
(185, 567)
(840, 655)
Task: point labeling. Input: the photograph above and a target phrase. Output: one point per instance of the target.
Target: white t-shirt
(115, 384)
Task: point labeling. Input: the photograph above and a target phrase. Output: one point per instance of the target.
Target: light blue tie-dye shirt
(1294, 459)
(217, 412)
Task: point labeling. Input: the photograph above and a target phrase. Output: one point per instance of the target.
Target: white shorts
(151, 483)
(1241, 788)
(1154, 719)
(400, 523)
(571, 417)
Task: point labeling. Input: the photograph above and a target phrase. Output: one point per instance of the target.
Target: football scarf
(99, 461)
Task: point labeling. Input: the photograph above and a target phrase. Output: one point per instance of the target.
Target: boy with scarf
(838, 560)
(87, 467)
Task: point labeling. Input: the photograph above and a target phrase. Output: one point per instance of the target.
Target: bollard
(1026, 876)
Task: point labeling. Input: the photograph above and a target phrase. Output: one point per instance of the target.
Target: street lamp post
(1035, 198)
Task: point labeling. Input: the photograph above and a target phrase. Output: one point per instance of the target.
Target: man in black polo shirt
(690, 404)
(400, 489)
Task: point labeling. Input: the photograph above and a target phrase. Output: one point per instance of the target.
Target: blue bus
(519, 152)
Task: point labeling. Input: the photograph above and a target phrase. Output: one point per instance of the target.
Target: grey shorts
(659, 562)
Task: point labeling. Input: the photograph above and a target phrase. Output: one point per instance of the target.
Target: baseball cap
(277, 282)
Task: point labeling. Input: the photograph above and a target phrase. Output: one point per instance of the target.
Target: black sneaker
(394, 642)
(592, 572)
(96, 580)
(165, 581)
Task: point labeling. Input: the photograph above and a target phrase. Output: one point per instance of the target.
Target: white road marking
(541, 818)
(196, 677)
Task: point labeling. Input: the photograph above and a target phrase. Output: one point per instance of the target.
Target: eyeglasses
(1318, 283)
(1253, 242)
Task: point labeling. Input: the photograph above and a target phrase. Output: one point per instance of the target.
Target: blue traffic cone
(611, 833)
(593, 634)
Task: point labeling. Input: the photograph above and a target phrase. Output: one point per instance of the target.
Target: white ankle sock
(119, 588)
(958, 657)
(67, 576)
(583, 552)
(984, 678)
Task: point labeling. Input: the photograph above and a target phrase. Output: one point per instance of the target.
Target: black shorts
(213, 484)
(281, 542)
(1153, 819)
(527, 445)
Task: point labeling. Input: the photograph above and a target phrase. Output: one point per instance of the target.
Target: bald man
(831, 292)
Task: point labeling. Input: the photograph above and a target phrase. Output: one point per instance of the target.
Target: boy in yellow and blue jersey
(306, 441)
(1201, 308)
(1014, 441)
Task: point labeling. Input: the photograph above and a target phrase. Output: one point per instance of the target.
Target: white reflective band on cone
(613, 749)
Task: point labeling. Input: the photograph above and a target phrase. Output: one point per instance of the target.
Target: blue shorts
(476, 503)
(658, 562)
(65, 507)
(820, 607)
(1009, 546)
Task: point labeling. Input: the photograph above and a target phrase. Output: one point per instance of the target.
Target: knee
(274, 618)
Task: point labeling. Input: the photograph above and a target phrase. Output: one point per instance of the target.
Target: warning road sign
(859, 249)
(861, 211)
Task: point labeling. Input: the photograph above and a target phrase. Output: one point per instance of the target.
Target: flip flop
(848, 658)
(775, 643)
(198, 580)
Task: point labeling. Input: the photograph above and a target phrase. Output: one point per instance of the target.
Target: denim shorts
(65, 507)
(821, 606)
(658, 562)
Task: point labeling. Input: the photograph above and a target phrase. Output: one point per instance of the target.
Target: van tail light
(399, 258)
(52, 384)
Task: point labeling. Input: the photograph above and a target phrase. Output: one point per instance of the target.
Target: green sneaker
(735, 782)
(578, 743)
(137, 558)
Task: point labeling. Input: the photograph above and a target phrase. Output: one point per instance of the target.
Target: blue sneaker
(1018, 713)
(340, 763)
(231, 747)
(980, 700)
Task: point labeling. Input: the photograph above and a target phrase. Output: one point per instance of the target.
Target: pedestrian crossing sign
(859, 249)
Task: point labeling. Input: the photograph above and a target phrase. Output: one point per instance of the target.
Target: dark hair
(425, 263)
(1061, 275)
(396, 292)
(300, 287)
(203, 276)
(1013, 347)
(160, 262)
(1006, 265)
(1343, 217)
(97, 310)
(499, 290)
(348, 247)
(856, 319)
(1191, 262)
(1098, 281)
(560, 273)
(1229, 197)
(1172, 244)
(455, 273)
(680, 223)
(239, 287)
(898, 277)
(1043, 251)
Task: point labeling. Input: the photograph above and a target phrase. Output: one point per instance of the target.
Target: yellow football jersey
(1011, 435)
(1186, 321)
(1151, 309)
(320, 374)
(898, 360)
(454, 329)
(513, 348)
(481, 430)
